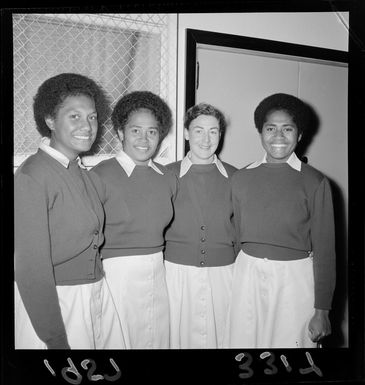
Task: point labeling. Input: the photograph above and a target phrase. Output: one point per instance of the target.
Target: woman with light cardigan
(138, 199)
(200, 252)
(61, 297)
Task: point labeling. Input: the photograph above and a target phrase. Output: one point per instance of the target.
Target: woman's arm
(33, 264)
(323, 245)
(324, 259)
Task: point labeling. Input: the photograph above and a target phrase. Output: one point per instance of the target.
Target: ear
(121, 135)
(186, 134)
(300, 136)
(50, 122)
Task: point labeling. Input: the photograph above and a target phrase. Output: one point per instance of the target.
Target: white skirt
(272, 303)
(138, 286)
(199, 299)
(88, 313)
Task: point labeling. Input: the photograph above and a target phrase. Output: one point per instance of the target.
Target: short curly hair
(136, 100)
(205, 109)
(295, 107)
(55, 90)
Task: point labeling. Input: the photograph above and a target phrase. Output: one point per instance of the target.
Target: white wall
(319, 29)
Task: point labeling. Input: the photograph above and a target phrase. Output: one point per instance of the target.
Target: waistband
(127, 252)
(194, 256)
(278, 253)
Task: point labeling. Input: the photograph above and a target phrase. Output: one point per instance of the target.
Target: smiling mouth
(82, 137)
(278, 145)
(140, 148)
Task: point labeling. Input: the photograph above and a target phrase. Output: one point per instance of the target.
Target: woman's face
(74, 128)
(279, 136)
(140, 136)
(203, 136)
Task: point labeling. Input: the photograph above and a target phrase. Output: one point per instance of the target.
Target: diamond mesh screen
(123, 52)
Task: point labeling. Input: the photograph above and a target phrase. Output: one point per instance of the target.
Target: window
(123, 52)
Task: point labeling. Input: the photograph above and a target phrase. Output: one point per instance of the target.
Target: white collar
(128, 164)
(57, 155)
(186, 163)
(293, 161)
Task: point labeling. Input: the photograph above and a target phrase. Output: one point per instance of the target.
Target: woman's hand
(320, 325)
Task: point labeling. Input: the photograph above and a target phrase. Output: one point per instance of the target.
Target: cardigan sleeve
(33, 264)
(323, 245)
(236, 215)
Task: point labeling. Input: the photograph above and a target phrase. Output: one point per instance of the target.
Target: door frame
(195, 37)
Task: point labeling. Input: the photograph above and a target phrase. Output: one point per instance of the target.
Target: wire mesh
(123, 52)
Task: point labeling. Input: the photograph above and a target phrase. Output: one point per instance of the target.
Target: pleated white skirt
(88, 313)
(199, 299)
(138, 286)
(272, 303)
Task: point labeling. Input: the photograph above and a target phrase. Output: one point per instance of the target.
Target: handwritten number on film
(73, 376)
(271, 369)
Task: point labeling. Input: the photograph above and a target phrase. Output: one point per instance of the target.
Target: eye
(152, 132)
(74, 116)
(134, 131)
(269, 128)
(288, 129)
(198, 131)
(93, 117)
(214, 131)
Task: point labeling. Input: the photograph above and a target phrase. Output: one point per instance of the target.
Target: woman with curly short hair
(138, 199)
(284, 275)
(200, 241)
(61, 298)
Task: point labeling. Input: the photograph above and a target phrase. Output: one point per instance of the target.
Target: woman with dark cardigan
(284, 275)
(200, 253)
(138, 195)
(61, 297)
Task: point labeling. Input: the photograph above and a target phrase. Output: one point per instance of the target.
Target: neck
(138, 163)
(196, 160)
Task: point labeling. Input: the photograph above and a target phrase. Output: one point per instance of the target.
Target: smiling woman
(61, 298)
(137, 195)
(200, 252)
(285, 273)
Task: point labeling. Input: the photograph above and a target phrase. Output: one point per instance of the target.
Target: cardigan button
(202, 263)
(95, 246)
(202, 251)
(202, 239)
(202, 227)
